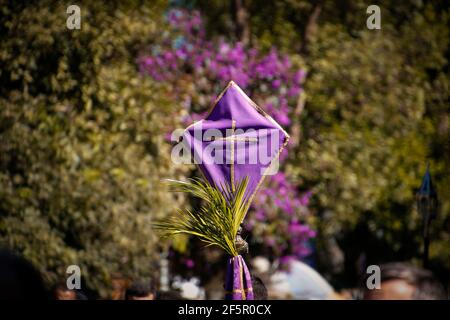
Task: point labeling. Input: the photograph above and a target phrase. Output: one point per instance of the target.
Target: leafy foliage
(84, 114)
(217, 221)
(376, 112)
(280, 221)
(367, 132)
(82, 140)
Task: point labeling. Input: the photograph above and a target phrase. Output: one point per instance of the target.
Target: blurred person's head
(61, 292)
(19, 280)
(259, 289)
(402, 281)
(119, 285)
(140, 290)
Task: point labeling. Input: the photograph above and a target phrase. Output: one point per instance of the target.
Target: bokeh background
(86, 117)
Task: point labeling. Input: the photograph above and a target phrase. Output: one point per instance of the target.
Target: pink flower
(190, 263)
(276, 83)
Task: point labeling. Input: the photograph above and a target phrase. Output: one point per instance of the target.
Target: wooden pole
(426, 241)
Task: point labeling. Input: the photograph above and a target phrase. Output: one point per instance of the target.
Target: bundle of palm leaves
(217, 220)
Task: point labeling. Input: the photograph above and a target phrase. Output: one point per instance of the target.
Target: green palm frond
(218, 219)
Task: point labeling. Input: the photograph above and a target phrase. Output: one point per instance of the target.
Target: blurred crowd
(19, 280)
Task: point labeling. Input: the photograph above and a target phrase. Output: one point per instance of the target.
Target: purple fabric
(245, 143)
(267, 140)
(238, 282)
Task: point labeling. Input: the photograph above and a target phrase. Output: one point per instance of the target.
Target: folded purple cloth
(238, 282)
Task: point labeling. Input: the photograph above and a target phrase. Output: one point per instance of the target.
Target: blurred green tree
(370, 125)
(82, 139)
(376, 111)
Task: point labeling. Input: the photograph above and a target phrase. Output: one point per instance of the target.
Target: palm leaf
(217, 220)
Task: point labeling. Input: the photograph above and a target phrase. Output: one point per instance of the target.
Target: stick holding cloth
(235, 147)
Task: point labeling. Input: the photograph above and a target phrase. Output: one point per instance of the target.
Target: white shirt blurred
(301, 282)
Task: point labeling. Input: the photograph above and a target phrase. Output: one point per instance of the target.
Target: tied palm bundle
(217, 221)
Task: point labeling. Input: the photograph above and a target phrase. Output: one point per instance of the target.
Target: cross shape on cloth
(232, 138)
